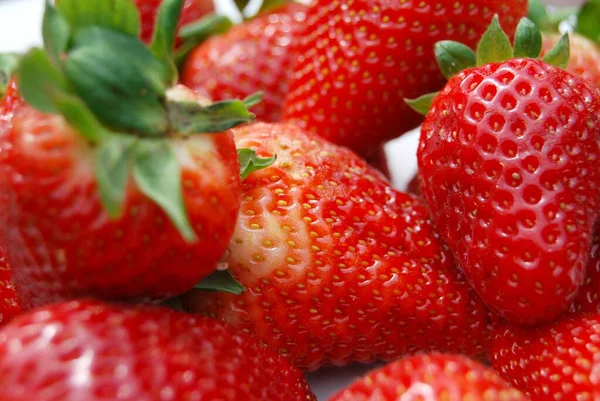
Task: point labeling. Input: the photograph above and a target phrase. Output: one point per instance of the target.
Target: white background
(20, 25)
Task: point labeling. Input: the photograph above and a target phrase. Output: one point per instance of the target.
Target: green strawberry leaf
(528, 40)
(221, 280)
(422, 104)
(253, 99)
(9, 62)
(56, 32)
(250, 162)
(193, 118)
(112, 171)
(118, 15)
(165, 33)
(560, 53)
(453, 57)
(197, 32)
(125, 93)
(157, 173)
(39, 81)
(79, 116)
(588, 20)
(494, 45)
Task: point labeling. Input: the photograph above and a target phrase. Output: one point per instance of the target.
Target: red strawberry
(9, 304)
(254, 56)
(510, 170)
(88, 350)
(192, 11)
(359, 59)
(588, 300)
(379, 160)
(560, 361)
(433, 377)
(584, 59)
(414, 186)
(90, 210)
(338, 266)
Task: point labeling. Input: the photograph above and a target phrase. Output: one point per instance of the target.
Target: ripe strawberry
(254, 56)
(359, 59)
(88, 350)
(584, 60)
(588, 300)
(510, 170)
(75, 220)
(338, 266)
(9, 304)
(434, 377)
(559, 361)
(379, 160)
(192, 11)
(414, 186)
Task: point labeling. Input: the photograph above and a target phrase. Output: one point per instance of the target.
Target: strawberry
(559, 361)
(8, 65)
(88, 350)
(584, 60)
(414, 186)
(588, 300)
(338, 266)
(134, 202)
(510, 170)
(193, 10)
(359, 59)
(379, 160)
(434, 377)
(9, 304)
(254, 56)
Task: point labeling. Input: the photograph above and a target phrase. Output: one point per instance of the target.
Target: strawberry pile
(197, 210)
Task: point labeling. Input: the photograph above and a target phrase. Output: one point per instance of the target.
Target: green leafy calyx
(494, 47)
(221, 280)
(250, 162)
(95, 72)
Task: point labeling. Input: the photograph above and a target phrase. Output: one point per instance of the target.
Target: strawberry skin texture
(434, 377)
(584, 59)
(359, 59)
(254, 56)
(192, 11)
(9, 304)
(62, 244)
(509, 166)
(588, 300)
(559, 361)
(88, 350)
(10, 101)
(338, 266)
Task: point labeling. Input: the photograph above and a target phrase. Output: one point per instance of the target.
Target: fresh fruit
(137, 201)
(251, 57)
(559, 361)
(588, 299)
(88, 350)
(434, 377)
(510, 170)
(338, 266)
(379, 160)
(9, 304)
(359, 59)
(8, 64)
(193, 10)
(414, 186)
(584, 59)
